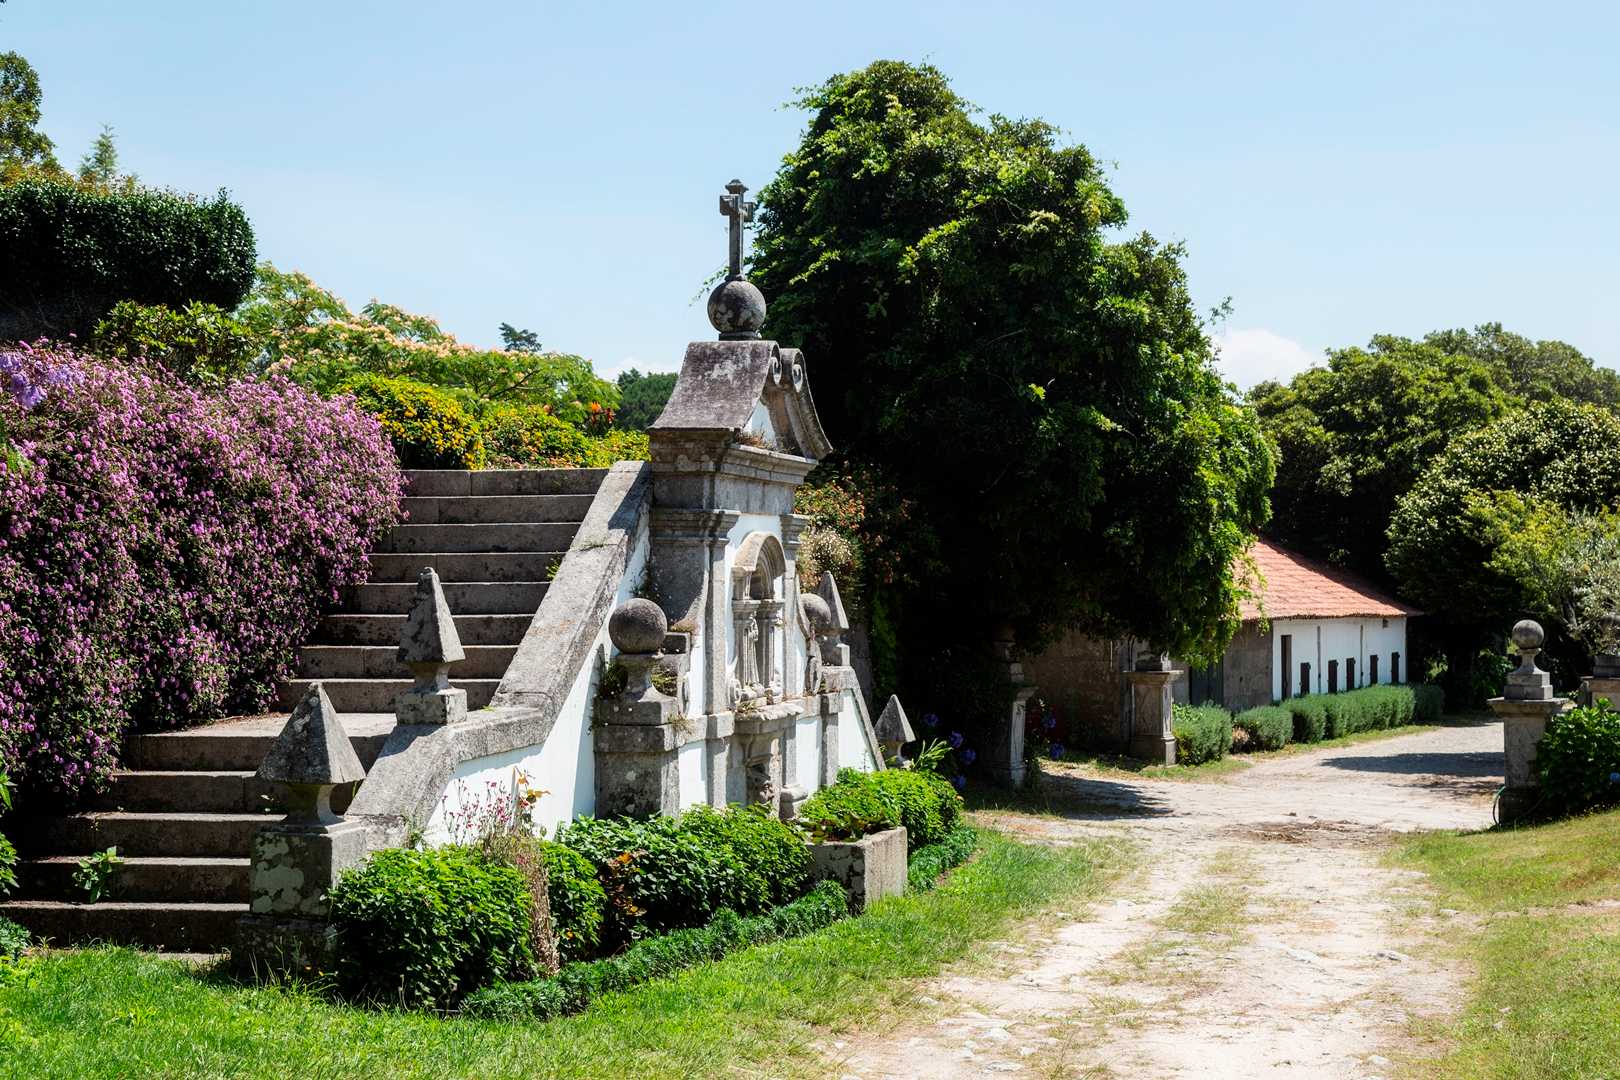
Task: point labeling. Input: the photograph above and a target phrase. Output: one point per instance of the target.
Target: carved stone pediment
(731, 386)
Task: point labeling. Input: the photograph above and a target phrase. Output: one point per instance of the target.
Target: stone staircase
(185, 806)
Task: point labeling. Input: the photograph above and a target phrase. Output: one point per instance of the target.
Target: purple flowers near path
(165, 550)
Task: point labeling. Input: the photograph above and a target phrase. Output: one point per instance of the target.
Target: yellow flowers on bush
(529, 437)
(429, 428)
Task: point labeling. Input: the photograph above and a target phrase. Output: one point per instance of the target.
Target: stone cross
(740, 213)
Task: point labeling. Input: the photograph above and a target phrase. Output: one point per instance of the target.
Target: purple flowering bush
(164, 549)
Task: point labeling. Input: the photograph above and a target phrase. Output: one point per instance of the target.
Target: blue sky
(1337, 170)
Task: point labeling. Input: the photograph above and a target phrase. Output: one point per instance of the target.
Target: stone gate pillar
(1151, 736)
(1526, 704)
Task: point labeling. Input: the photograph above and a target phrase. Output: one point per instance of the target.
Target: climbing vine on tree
(984, 339)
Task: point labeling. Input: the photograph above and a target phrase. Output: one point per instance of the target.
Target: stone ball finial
(1528, 634)
(816, 612)
(638, 627)
(737, 309)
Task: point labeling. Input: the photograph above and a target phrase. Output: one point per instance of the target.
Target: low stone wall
(869, 868)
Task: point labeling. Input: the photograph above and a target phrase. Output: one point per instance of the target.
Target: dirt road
(1262, 936)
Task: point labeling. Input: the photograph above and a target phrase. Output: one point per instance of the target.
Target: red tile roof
(1296, 587)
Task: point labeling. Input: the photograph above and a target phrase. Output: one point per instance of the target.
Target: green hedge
(72, 252)
(1310, 717)
(929, 862)
(424, 928)
(1203, 733)
(578, 902)
(1578, 760)
(667, 874)
(1269, 727)
(862, 803)
(576, 986)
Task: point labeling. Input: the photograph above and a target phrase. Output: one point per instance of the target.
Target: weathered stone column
(296, 861)
(637, 741)
(1526, 704)
(1152, 738)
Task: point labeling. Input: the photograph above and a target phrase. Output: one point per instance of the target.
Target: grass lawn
(1546, 1003)
(120, 1013)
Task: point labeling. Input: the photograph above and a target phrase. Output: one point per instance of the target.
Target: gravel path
(1262, 936)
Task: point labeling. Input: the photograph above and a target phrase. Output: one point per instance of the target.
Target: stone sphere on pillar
(737, 308)
(1528, 634)
(638, 627)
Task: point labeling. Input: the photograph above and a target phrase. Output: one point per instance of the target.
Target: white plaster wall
(1317, 641)
(807, 744)
(564, 766)
(691, 763)
(853, 750)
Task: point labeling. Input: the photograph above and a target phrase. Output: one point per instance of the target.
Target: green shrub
(524, 852)
(576, 986)
(1203, 733)
(614, 446)
(8, 866)
(428, 426)
(849, 809)
(768, 859)
(200, 343)
(1310, 717)
(424, 928)
(929, 807)
(1269, 727)
(528, 436)
(13, 939)
(1428, 703)
(578, 903)
(927, 863)
(656, 877)
(72, 252)
(1579, 760)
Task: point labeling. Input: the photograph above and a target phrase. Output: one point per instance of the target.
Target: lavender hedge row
(164, 549)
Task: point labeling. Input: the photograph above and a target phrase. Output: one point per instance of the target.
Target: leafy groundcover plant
(860, 804)
(1579, 760)
(164, 549)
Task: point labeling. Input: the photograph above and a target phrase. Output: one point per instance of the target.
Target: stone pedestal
(869, 868)
(1596, 688)
(1523, 725)
(1151, 736)
(293, 868)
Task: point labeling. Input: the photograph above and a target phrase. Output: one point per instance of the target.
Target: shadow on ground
(1072, 796)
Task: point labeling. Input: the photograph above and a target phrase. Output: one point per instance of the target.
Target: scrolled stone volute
(638, 627)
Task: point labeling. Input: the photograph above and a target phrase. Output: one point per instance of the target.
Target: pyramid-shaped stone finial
(430, 633)
(892, 727)
(312, 748)
(828, 591)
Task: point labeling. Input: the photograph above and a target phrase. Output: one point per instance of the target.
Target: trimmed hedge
(72, 252)
(576, 986)
(769, 860)
(1203, 733)
(428, 426)
(927, 863)
(1578, 760)
(424, 928)
(578, 902)
(862, 803)
(1310, 717)
(1269, 726)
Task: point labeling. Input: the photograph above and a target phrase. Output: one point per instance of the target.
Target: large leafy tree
(1034, 392)
(1354, 436)
(642, 398)
(1533, 370)
(22, 145)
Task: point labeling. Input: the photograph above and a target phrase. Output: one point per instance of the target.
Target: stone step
(385, 629)
(478, 538)
(240, 745)
(223, 791)
(441, 482)
(142, 832)
(464, 597)
(488, 509)
(466, 566)
(190, 928)
(381, 661)
(377, 695)
(216, 880)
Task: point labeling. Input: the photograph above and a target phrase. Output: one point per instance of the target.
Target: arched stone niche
(758, 608)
